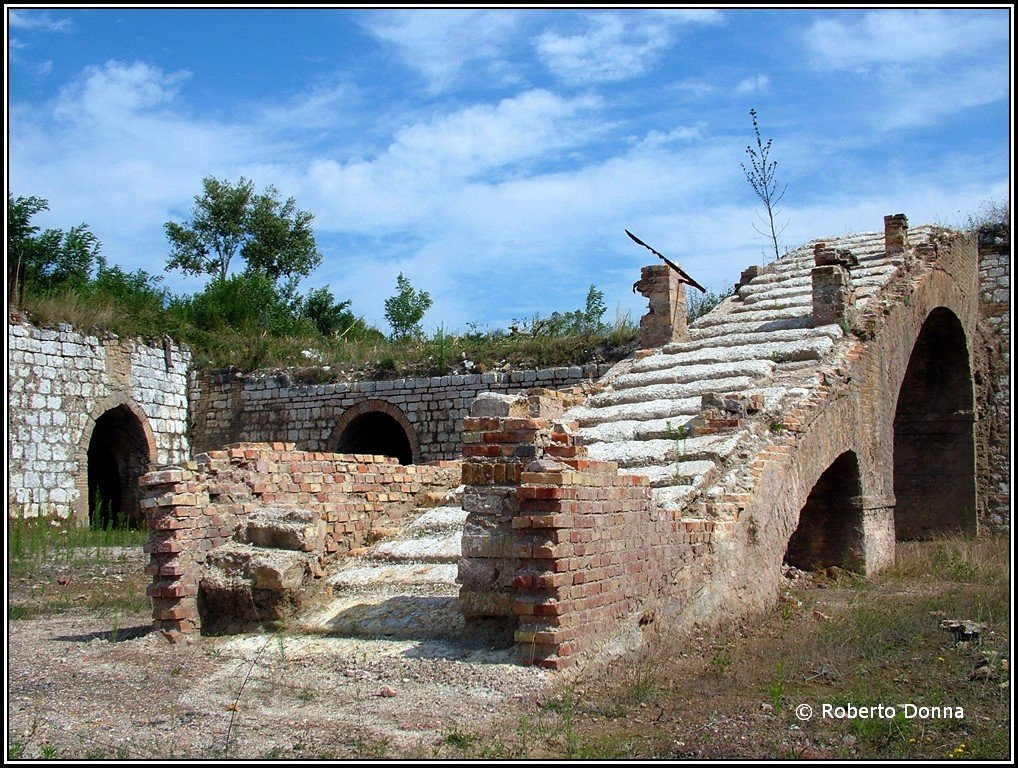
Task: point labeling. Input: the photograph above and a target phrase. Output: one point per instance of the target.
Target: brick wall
(196, 507)
(590, 557)
(228, 407)
(59, 384)
(994, 365)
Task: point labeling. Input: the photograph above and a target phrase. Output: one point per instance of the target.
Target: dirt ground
(87, 679)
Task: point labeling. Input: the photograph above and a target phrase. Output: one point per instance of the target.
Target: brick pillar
(833, 294)
(171, 505)
(503, 435)
(895, 233)
(665, 320)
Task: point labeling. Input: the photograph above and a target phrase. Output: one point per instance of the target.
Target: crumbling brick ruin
(850, 394)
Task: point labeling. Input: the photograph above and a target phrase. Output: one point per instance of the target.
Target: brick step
(617, 431)
(443, 519)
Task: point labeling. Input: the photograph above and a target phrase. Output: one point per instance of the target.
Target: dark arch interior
(934, 444)
(117, 457)
(379, 434)
(830, 524)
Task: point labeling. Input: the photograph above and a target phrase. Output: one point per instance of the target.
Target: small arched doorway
(830, 530)
(934, 441)
(378, 428)
(118, 455)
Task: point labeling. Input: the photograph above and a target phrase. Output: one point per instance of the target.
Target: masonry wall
(994, 378)
(228, 407)
(59, 383)
(197, 506)
(591, 558)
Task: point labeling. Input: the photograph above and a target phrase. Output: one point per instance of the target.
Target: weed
(48, 751)
(15, 750)
(721, 661)
(776, 690)
(306, 695)
(777, 425)
(460, 739)
(645, 683)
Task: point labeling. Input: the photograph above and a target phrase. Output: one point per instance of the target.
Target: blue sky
(495, 156)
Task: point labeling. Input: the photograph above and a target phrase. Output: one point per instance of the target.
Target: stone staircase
(762, 342)
(403, 585)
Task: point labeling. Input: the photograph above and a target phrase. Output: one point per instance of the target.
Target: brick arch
(934, 433)
(125, 445)
(386, 415)
(829, 531)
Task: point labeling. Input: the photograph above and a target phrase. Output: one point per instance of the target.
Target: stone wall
(228, 407)
(195, 507)
(994, 377)
(60, 384)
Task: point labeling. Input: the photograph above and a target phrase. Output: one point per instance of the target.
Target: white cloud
(902, 37)
(36, 20)
(614, 46)
(445, 45)
(109, 92)
(757, 84)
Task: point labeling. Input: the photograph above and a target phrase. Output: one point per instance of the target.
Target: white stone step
(674, 498)
(390, 577)
(738, 340)
(752, 325)
(777, 351)
(685, 473)
(679, 409)
(615, 431)
(417, 616)
(654, 392)
(753, 316)
(644, 453)
(441, 548)
(437, 519)
(689, 373)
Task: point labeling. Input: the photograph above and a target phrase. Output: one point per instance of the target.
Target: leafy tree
(218, 228)
(406, 309)
(53, 258)
(247, 302)
(760, 176)
(281, 242)
(328, 315)
(273, 237)
(594, 310)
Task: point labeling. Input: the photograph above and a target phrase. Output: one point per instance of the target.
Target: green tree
(328, 315)
(50, 259)
(594, 310)
(273, 236)
(760, 176)
(218, 228)
(406, 309)
(282, 242)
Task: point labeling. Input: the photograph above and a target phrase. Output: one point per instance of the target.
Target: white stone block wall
(229, 407)
(58, 383)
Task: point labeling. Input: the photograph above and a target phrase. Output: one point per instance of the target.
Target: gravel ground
(82, 684)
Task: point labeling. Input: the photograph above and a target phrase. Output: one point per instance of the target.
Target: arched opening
(118, 454)
(830, 530)
(934, 442)
(376, 433)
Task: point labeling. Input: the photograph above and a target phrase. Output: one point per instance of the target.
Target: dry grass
(733, 692)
